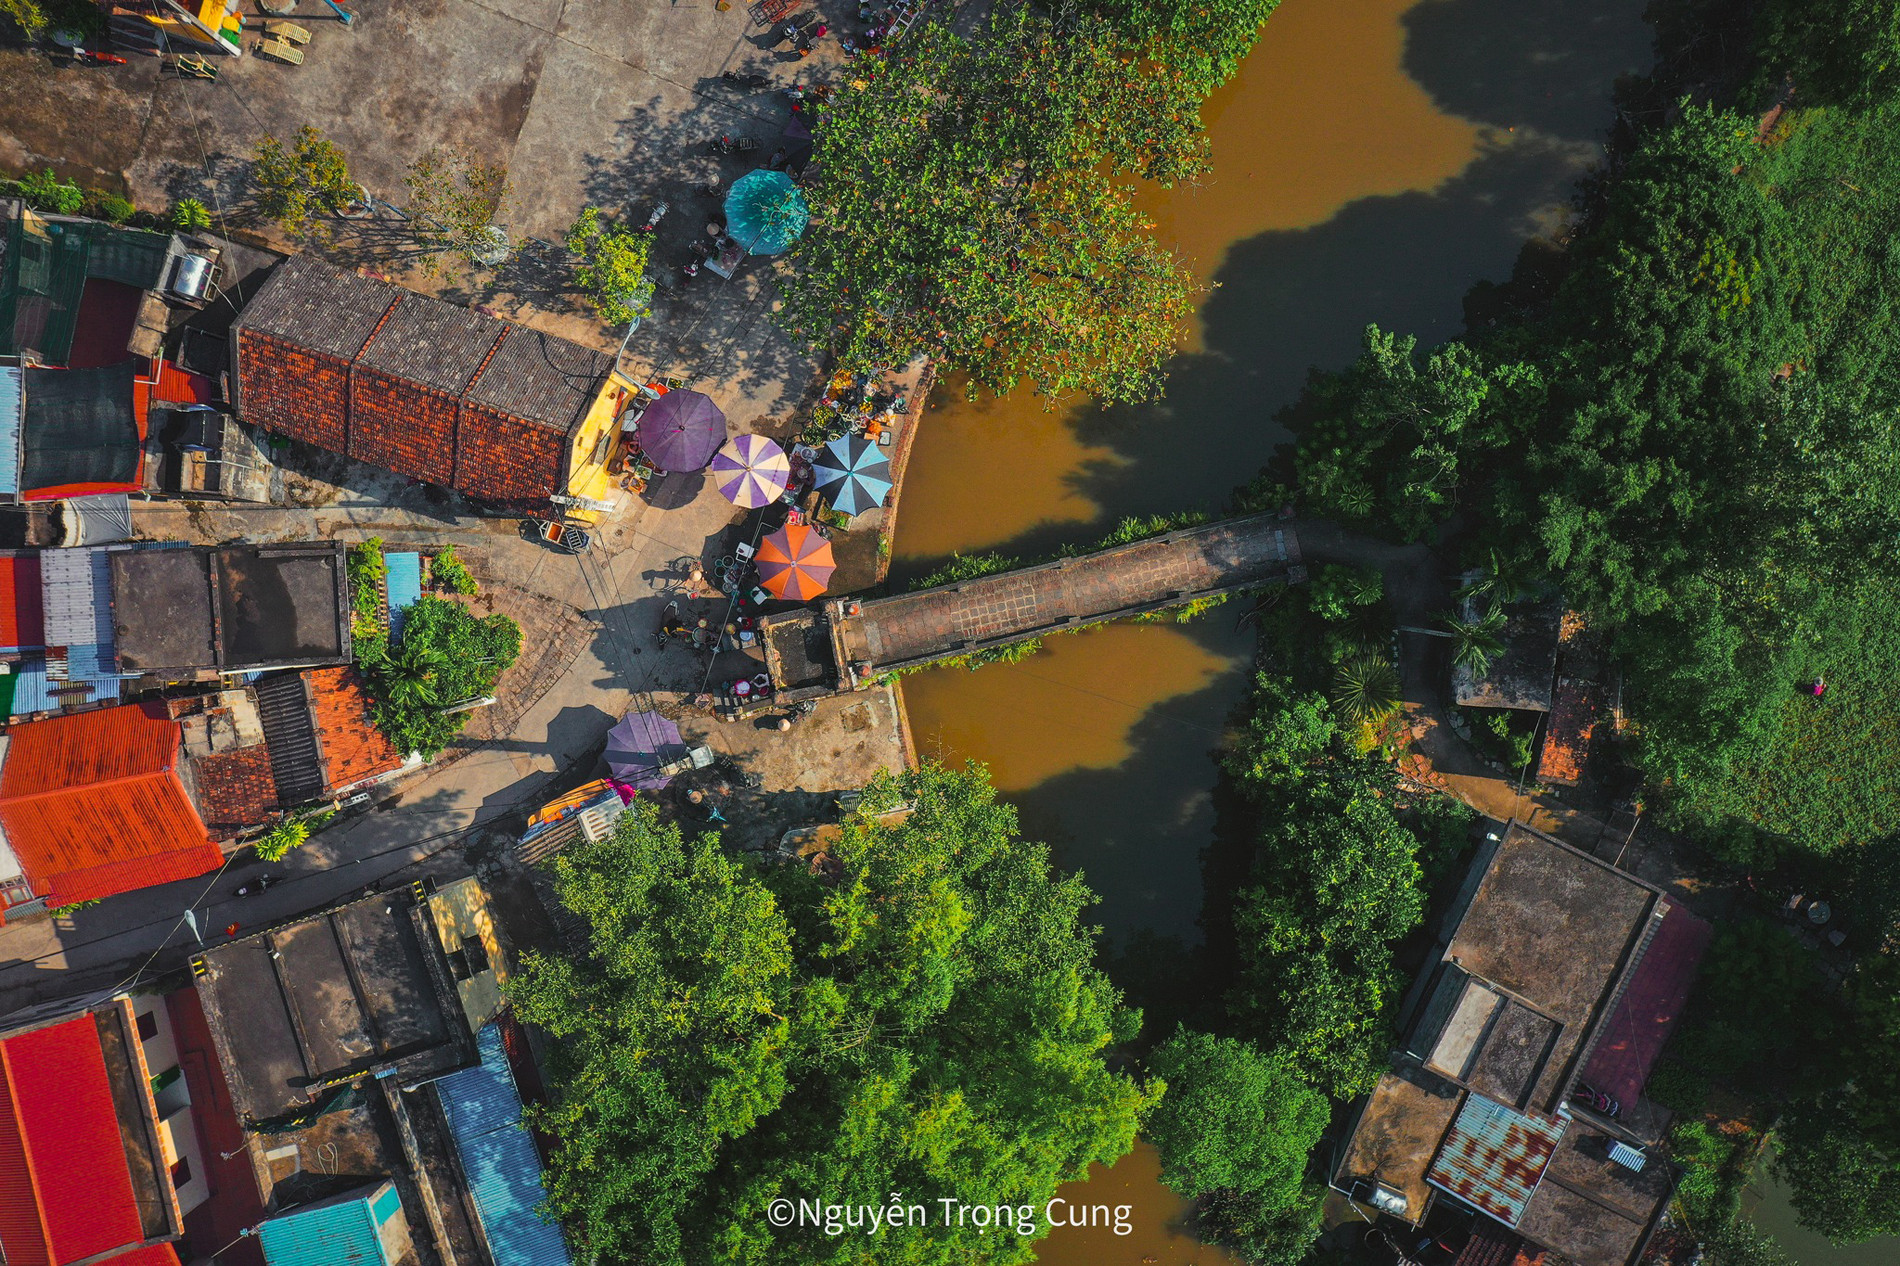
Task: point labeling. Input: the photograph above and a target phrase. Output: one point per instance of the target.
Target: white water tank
(191, 278)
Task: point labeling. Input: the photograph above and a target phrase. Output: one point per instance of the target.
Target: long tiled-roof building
(425, 388)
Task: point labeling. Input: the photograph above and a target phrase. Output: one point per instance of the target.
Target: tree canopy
(973, 197)
(297, 185)
(928, 1022)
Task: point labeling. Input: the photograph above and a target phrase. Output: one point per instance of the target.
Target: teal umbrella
(765, 212)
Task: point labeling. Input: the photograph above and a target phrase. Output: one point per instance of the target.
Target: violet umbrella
(751, 471)
(681, 430)
(639, 746)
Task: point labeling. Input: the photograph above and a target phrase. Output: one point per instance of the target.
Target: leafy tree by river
(972, 196)
(929, 1023)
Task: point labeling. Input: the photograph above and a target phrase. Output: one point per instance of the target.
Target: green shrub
(188, 215)
(113, 209)
(47, 192)
(451, 573)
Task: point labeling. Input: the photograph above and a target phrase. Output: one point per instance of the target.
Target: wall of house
(504, 458)
(595, 441)
(294, 392)
(177, 1132)
(403, 426)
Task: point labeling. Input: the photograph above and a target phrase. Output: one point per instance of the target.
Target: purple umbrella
(639, 745)
(751, 470)
(681, 430)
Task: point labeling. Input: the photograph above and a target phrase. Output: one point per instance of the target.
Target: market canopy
(795, 563)
(765, 212)
(855, 475)
(681, 430)
(640, 746)
(751, 471)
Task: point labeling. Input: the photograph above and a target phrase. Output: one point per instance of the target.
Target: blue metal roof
(504, 1172)
(30, 687)
(12, 408)
(343, 1232)
(1493, 1157)
(404, 585)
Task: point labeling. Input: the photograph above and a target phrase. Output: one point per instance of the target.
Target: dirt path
(1420, 592)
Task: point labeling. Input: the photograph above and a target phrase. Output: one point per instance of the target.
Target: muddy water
(1372, 160)
(1155, 1217)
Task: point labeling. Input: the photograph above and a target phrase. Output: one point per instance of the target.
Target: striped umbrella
(795, 563)
(856, 474)
(751, 470)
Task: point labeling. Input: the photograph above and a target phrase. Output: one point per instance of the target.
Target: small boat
(572, 539)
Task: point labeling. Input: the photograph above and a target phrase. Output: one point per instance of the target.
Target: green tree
(613, 267)
(1842, 1184)
(1366, 688)
(1233, 1119)
(28, 15)
(297, 185)
(971, 200)
(447, 655)
(1740, 1243)
(1840, 51)
(928, 1022)
(453, 197)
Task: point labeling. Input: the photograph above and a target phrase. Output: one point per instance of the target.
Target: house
(347, 1035)
(93, 1166)
(361, 1227)
(1558, 972)
(92, 805)
(497, 411)
(1580, 703)
(1520, 678)
(198, 612)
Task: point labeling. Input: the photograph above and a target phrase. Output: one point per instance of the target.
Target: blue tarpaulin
(404, 585)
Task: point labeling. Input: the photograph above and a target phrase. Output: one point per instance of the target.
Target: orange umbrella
(795, 563)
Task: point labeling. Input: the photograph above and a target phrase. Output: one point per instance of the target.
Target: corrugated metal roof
(22, 605)
(336, 1233)
(31, 689)
(541, 379)
(1493, 1157)
(76, 585)
(317, 306)
(404, 585)
(504, 1172)
(59, 1099)
(434, 343)
(12, 409)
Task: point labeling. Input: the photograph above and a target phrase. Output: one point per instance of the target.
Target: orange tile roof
(353, 748)
(92, 804)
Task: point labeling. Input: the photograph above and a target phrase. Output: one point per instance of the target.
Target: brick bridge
(851, 642)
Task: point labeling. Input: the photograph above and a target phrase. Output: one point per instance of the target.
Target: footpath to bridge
(852, 642)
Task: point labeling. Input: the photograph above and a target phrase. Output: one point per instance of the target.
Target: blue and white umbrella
(765, 212)
(854, 474)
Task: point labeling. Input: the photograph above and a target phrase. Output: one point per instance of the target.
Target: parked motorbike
(751, 80)
(653, 220)
(86, 57)
(734, 145)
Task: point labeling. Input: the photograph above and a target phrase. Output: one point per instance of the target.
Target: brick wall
(284, 388)
(506, 459)
(403, 426)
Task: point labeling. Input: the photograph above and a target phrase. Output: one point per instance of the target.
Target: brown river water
(1372, 160)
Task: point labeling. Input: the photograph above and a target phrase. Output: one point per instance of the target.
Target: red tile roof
(1574, 710)
(65, 1188)
(235, 789)
(353, 748)
(92, 804)
(22, 616)
(425, 388)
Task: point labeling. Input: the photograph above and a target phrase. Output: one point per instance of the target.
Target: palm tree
(1366, 688)
(1477, 641)
(409, 675)
(1502, 579)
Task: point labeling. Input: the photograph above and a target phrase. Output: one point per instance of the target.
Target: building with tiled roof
(92, 805)
(495, 410)
(85, 1176)
(1518, 1094)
